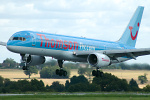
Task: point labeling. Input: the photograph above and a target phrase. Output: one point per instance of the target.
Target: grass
(15, 74)
(80, 97)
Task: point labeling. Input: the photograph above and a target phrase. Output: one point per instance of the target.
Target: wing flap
(133, 53)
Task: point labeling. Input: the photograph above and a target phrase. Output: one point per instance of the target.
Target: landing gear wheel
(24, 67)
(57, 71)
(101, 74)
(97, 73)
(94, 72)
(61, 72)
(64, 73)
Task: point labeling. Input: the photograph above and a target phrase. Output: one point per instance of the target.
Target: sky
(97, 19)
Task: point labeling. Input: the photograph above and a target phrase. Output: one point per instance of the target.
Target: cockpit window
(18, 38)
(11, 38)
(15, 38)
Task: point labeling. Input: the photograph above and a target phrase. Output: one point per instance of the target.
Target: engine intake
(33, 60)
(98, 60)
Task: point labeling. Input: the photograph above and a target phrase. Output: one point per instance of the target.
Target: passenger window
(11, 38)
(23, 39)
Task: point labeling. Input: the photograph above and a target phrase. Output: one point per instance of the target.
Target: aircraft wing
(3, 43)
(132, 53)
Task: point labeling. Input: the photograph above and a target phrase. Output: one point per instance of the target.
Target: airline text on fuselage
(58, 43)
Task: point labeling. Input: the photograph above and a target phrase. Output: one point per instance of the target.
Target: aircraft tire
(101, 74)
(57, 71)
(61, 72)
(25, 68)
(98, 73)
(64, 73)
(94, 72)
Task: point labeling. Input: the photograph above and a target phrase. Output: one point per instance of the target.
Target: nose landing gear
(24, 61)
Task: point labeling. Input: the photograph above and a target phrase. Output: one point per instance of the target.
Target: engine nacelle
(33, 60)
(98, 60)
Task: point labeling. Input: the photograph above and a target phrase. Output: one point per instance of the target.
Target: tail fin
(129, 36)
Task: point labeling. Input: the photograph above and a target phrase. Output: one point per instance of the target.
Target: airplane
(35, 46)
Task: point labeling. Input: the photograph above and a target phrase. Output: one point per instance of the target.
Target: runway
(102, 93)
(82, 93)
(14, 94)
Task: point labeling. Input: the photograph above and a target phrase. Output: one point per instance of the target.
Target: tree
(142, 78)
(37, 85)
(147, 88)
(22, 85)
(80, 84)
(67, 84)
(10, 63)
(79, 79)
(7, 82)
(111, 83)
(57, 87)
(31, 70)
(133, 85)
(1, 81)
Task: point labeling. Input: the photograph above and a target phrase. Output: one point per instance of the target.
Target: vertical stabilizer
(129, 36)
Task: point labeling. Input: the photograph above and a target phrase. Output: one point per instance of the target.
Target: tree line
(108, 83)
(48, 69)
(80, 83)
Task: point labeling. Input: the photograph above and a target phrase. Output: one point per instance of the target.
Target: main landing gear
(60, 71)
(97, 73)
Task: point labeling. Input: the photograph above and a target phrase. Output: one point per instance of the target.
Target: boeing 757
(35, 46)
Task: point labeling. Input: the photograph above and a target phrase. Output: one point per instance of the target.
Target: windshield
(18, 38)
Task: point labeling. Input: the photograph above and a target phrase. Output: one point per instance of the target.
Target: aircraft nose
(13, 48)
(11, 45)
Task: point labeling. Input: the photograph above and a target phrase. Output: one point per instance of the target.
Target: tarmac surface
(77, 94)
(14, 94)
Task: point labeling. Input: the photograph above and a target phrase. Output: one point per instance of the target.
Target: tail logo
(133, 37)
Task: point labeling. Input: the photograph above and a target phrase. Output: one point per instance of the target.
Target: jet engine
(98, 60)
(32, 60)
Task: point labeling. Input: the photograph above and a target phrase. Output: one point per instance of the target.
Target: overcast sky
(98, 19)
